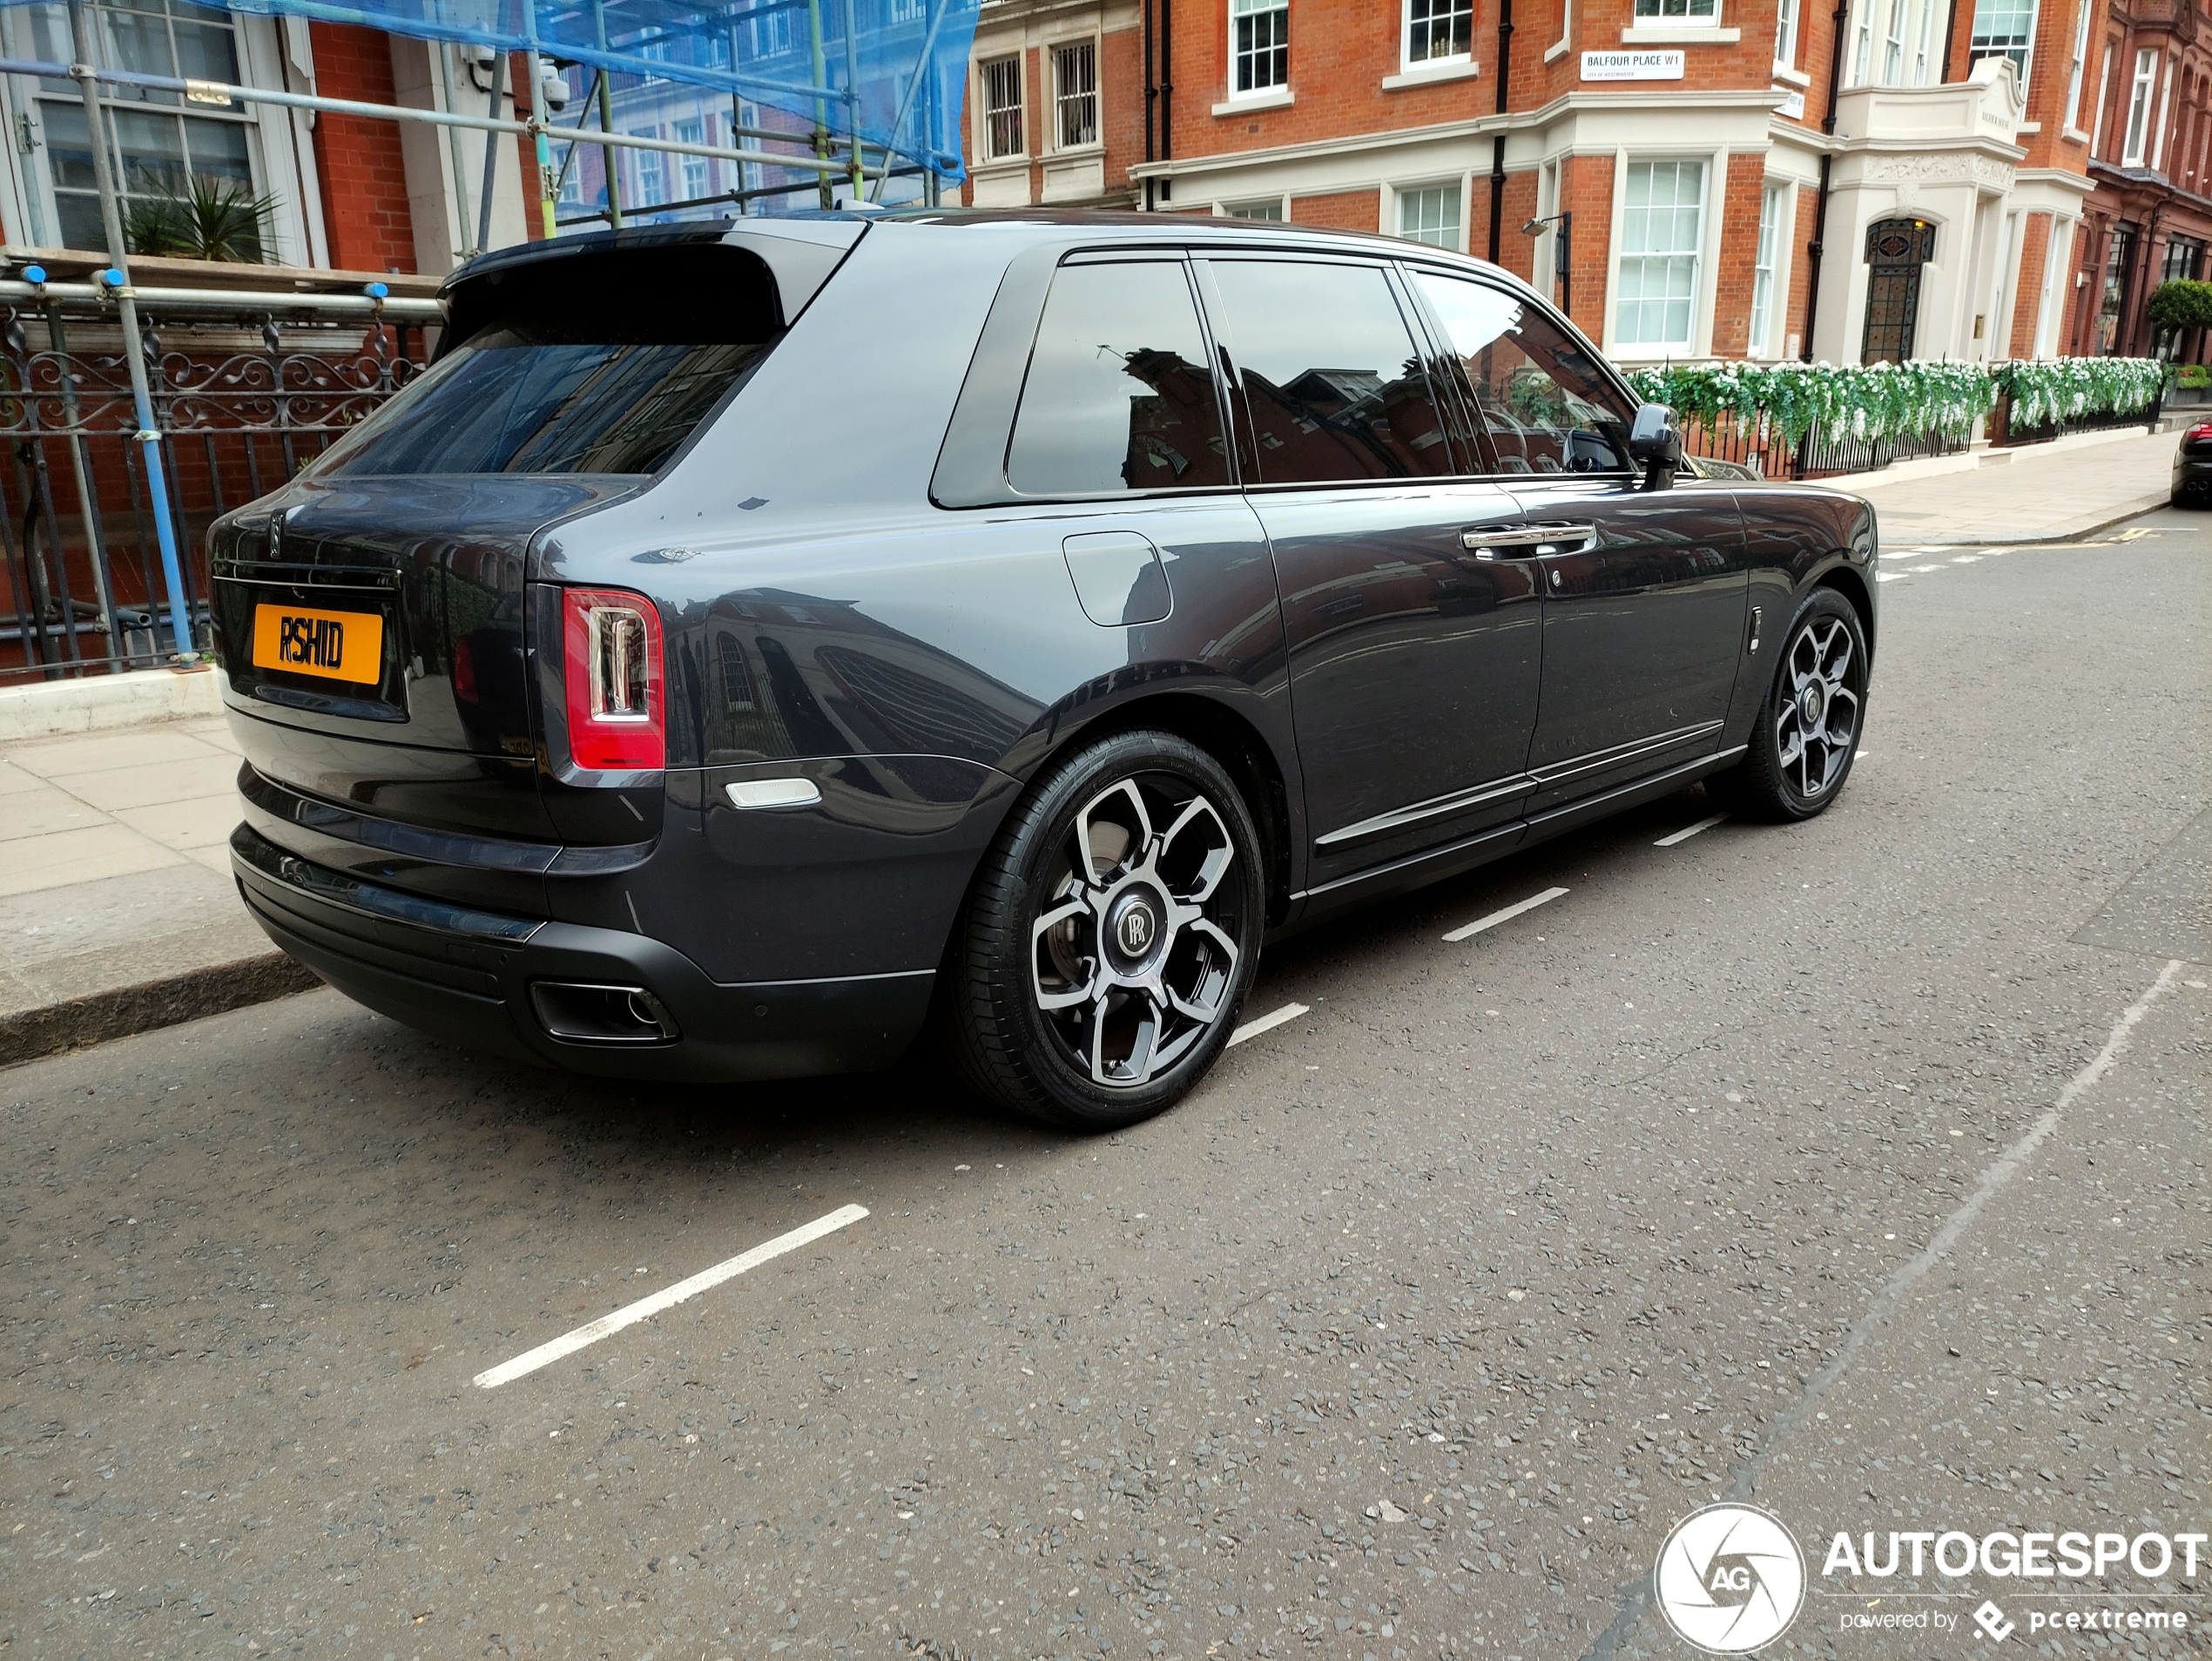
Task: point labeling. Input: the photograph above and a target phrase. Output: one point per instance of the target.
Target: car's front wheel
(1807, 731)
(1112, 932)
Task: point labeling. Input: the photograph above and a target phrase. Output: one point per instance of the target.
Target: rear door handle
(1513, 542)
(1522, 542)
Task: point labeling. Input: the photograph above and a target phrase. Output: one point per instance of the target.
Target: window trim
(1225, 208)
(1394, 212)
(280, 146)
(1766, 260)
(2077, 65)
(1408, 65)
(1274, 91)
(2142, 92)
(1785, 33)
(1019, 57)
(1098, 140)
(1640, 20)
(1710, 165)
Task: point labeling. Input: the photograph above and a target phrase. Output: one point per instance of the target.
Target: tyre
(1808, 727)
(1110, 935)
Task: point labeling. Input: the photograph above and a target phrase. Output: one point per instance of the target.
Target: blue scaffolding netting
(892, 72)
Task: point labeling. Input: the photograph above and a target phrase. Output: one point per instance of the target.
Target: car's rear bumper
(2192, 472)
(466, 974)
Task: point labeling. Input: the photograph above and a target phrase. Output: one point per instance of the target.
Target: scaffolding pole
(149, 437)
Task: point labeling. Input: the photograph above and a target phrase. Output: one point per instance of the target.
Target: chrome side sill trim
(1559, 771)
(774, 792)
(1435, 806)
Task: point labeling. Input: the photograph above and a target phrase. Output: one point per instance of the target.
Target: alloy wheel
(1133, 957)
(1817, 722)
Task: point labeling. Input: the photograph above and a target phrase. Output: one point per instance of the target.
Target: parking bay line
(1266, 1023)
(1506, 915)
(1688, 831)
(645, 1308)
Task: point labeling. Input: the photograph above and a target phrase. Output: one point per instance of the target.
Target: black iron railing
(83, 589)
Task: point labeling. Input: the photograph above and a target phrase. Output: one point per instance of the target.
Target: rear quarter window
(1118, 397)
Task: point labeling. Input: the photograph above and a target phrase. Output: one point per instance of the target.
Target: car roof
(1009, 230)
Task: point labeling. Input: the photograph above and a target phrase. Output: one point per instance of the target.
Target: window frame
(1228, 210)
(1652, 14)
(1411, 312)
(2020, 50)
(1061, 97)
(1010, 340)
(2076, 70)
(985, 113)
(1766, 267)
(1472, 434)
(1407, 64)
(1662, 349)
(1235, 11)
(1400, 195)
(2142, 92)
(1785, 34)
(280, 149)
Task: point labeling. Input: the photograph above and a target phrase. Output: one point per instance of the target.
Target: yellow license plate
(337, 645)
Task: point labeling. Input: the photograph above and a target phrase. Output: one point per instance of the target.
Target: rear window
(600, 363)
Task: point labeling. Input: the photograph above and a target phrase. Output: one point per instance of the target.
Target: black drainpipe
(1167, 93)
(1498, 139)
(1817, 247)
(1151, 99)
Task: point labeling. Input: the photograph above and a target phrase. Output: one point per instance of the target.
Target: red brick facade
(365, 214)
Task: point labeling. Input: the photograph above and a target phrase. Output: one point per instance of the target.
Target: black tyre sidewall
(1001, 1036)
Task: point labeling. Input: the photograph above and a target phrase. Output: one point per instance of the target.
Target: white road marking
(1266, 1023)
(667, 1298)
(1506, 915)
(1688, 831)
(1965, 559)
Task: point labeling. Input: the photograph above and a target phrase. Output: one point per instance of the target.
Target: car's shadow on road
(665, 1137)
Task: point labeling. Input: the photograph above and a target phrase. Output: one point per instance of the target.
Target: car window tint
(1330, 372)
(1118, 396)
(1544, 405)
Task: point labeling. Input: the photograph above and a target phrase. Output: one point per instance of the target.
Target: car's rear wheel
(1807, 730)
(1110, 935)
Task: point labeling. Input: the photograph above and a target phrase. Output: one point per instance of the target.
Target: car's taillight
(2203, 430)
(614, 681)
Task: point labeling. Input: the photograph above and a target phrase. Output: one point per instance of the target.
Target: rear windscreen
(600, 363)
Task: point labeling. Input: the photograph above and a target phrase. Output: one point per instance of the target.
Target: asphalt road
(1411, 1335)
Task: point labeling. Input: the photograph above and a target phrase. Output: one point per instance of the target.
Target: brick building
(2148, 113)
(1759, 179)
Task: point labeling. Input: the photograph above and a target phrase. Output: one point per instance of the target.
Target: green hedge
(2180, 304)
(1884, 400)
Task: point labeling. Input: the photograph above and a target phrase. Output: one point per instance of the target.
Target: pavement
(1855, 1169)
(105, 931)
(2036, 493)
(117, 911)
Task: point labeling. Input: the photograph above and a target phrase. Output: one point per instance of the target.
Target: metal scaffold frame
(865, 167)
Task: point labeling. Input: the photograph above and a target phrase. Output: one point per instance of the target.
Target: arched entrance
(1895, 249)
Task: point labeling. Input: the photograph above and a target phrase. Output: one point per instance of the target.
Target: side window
(1330, 372)
(1118, 396)
(1542, 404)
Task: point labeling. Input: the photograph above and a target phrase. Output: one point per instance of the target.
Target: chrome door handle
(1486, 544)
(1565, 538)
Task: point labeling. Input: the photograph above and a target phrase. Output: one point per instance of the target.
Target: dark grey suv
(752, 645)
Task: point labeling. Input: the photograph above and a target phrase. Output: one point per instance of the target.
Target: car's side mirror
(1654, 445)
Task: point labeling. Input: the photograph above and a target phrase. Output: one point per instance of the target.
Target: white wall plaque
(1633, 66)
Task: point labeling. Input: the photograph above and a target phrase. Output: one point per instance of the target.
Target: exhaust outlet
(587, 1012)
